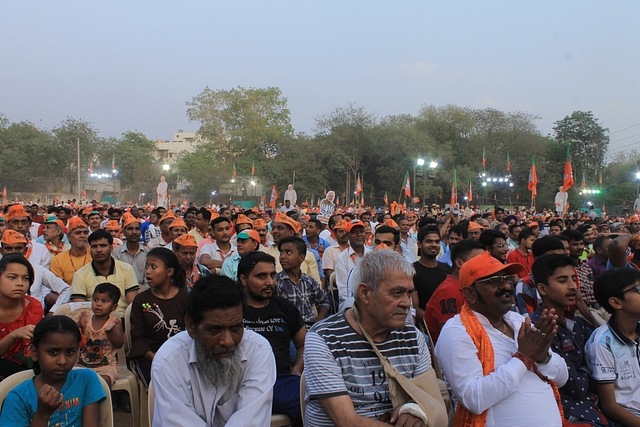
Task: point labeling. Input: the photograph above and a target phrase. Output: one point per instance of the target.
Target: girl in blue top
(57, 396)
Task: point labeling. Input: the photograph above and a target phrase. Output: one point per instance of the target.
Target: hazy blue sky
(132, 65)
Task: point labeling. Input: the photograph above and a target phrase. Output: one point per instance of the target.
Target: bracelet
(546, 360)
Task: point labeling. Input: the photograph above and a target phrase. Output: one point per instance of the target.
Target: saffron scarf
(464, 417)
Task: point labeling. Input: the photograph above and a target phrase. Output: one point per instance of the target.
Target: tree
(589, 141)
(243, 125)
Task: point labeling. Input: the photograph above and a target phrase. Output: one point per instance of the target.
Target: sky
(132, 65)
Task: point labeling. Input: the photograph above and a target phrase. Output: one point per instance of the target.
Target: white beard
(224, 372)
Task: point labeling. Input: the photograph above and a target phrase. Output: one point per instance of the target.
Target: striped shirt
(338, 361)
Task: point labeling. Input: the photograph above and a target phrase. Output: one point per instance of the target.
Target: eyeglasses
(635, 288)
(501, 245)
(496, 280)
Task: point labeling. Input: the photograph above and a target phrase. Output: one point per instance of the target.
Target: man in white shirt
(215, 373)
(350, 257)
(498, 366)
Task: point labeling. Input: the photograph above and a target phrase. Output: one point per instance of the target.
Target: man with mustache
(495, 361)
(215, 373)
(346, 383)
(280, 322)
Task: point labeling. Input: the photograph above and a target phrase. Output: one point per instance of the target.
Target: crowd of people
(235, 312)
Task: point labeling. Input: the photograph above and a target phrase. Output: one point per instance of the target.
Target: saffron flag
(253, 168)
(533, 179)
(4, 192)
(90, 167)
(407, 185)
(358, 186)
(484, 157)
(84, 194)
(601, 179)
(567, 181)
(454, 191)
(469, 191)
(508, 163)
(386, 199)
(362, 201)
(274, 196)
(113, 162)
(234, 170)
(584, 180)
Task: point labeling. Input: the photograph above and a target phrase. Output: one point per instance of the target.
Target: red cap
(354, 223)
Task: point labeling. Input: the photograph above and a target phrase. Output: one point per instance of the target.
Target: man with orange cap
(66, 263)
(18, 219)
(177, 228)
(185, 247)
(132, 252)
(495, 362)
(260, 225)
(285, 226)
(165, 233)
(474, 230)
(113, 227)
(350, 257)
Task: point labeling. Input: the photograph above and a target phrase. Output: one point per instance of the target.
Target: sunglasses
(497, 280)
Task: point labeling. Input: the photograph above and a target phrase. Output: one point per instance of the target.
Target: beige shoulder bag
(423, 390)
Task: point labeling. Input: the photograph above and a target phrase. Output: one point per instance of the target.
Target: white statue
(327, 207)
(162, 192)
(561, 201)
(636, 205)
(291, 195)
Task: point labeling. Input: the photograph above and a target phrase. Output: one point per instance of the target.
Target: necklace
(84, 262)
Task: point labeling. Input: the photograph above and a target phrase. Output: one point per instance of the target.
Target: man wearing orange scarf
(498, 366)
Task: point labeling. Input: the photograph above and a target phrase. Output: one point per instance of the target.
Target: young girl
(104, 333)
(19, 314)
(57, 395)
(157, 313)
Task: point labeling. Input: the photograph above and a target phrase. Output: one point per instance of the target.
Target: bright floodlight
(233, 180)
(253, 183)
(484, 184)
(433, 165)
(511, 184)
(420, 162)
(166, 167)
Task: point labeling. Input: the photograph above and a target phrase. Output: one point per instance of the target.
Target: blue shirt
(82, 388)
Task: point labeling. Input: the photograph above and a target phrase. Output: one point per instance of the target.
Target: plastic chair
(280, 420)
(106, 408)
(144, 416)
(151, 400)
(128, 381)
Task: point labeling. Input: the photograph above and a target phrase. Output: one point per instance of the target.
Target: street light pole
(420, 162)
(78, 149)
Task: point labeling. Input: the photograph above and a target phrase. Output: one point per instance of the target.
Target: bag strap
(435, 363)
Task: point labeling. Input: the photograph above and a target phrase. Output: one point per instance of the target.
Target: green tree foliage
(589, 142)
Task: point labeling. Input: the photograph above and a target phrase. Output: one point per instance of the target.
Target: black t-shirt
(426, 280)
(278, 322)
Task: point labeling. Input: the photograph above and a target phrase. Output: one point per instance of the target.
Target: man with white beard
(215, 373)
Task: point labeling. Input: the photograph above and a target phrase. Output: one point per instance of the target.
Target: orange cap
(179, 222)
(410, 214)
(354, 223)
(631, 219)
(112, 224)
(484, 266)
(186, 240)
(249, 234)
(87, 210)
(341, 225)
(390, 223)
(76, 222)
(475, 226)
(59, 223)
(16, 211)
(243, 219)
(11, 237)
(533, 224)
(280, 217)
(259, 223)
(128, 219)
(168, 215)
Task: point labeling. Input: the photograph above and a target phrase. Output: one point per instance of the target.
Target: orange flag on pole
(567, 181)
(533, 179)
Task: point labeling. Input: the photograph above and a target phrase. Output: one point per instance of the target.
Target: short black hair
(101, 234)
(514, 226)
(463, 248)
(110, 289)
(545, 266)
(317, 223)
(17, 258)
(249, 261)
(545, 244)
(556, 223)
(213, 293)
(525, 234)
(459, 230)
(611, 283)
(574, 235)
(599, 242)
(205, 213)
(424, 221)
(489, 237)
(429, 229)
(300, 245)
(218, 220)
(383, 229)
